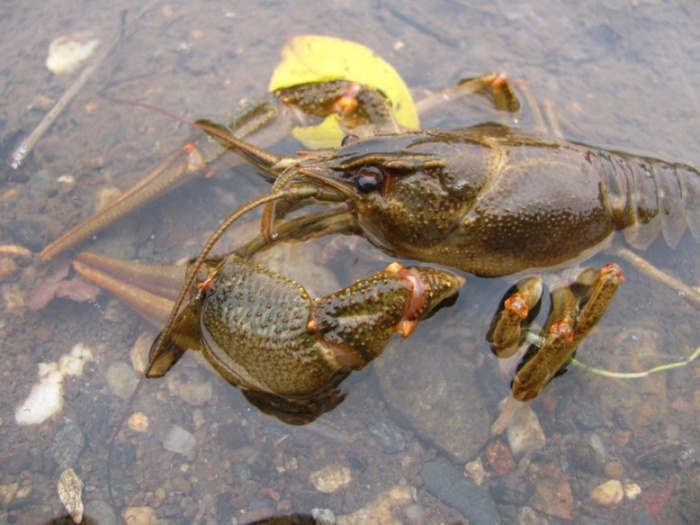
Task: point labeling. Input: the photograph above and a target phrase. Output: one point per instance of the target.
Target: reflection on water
(193, 451)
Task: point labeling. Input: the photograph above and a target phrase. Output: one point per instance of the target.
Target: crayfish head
(411, 191)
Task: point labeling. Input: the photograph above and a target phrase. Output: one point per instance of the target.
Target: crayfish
(488, 200)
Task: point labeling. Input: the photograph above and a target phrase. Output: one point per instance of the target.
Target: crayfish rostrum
(489, 200)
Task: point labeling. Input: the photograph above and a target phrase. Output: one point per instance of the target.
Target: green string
(635, 375)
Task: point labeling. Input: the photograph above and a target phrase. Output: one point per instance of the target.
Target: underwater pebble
(24, 492)
(180, 441)
(46, 396)
(614, 469)
(8, 493)
(587, 417)
(323, 516)
(121, 379)
(475, 470)
(70, 492)
(138, 422)
(608, 493)
(105, 196)
(524, 432)
(68, 444)
(390, 438)
(8, 267)
(382, 509)
(632, 491)
(45, 399)
(139, 352)
(195, 393)
(513, 489)
(499, 458)
(449, 485)
(552, 491)
(67, 52)
(596, 443)
(101, 512)
(527, 516)
(140, 515)
(330, 478)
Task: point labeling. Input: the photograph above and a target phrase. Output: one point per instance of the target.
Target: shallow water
(625, 73)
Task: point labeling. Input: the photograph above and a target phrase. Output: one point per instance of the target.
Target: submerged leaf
(313, 58)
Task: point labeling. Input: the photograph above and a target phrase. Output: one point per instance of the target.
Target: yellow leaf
(313, 58)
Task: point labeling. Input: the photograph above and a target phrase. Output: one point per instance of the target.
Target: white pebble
(66, 53)
(632, 491)
(121, 379)
(46, 396)
(180, 441)
(525, 433)
(45, 400)
(330, 478)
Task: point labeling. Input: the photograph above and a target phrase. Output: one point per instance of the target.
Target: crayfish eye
(349, 139)
(368, 179)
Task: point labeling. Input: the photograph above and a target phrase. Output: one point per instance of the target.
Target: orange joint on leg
(562, 331)
(516, 305)
(348, 102)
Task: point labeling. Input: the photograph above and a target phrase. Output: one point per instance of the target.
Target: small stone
(140, 515)
(195, 393)
(527, 516)
(105, 196)
(553, 493)
(450, 485)
(101, 512)
(499, 458)
(140, 351)
(614, 470)
(323, 516)
(514, 489)
(525, 433)
(45, 398)
(608, 493)
(68, 444)
(475, 470)
(330, 478)
(632, 491)
(67, 52)
(8, 493)
(70, 492)
(24, 492)
(138, 422)
(383, 509)
(390, 437)
(121, 379)
(198, 418)
(179, 440)
(8, 267)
